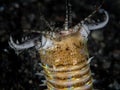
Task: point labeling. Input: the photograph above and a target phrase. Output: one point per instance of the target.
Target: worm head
(45, 42)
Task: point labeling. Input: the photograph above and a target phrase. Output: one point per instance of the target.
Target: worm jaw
(82, 28)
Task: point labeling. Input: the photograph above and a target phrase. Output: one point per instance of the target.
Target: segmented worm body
(64, 55)
(66, 64)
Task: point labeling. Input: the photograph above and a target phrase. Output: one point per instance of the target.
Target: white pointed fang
(22, 39)
(17, 42)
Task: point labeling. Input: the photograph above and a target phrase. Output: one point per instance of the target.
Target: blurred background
(18, 71)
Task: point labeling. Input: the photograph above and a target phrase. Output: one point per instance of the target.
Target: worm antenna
(66, 18)
(97, 9)
(70, 14)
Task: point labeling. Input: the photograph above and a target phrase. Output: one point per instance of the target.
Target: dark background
(18, 71)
